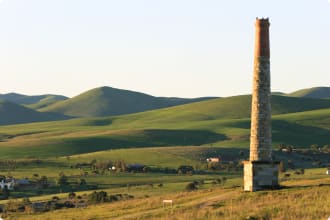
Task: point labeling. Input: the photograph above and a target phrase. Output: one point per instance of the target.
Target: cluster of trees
(319, 148)
(94, 165)
(195, 184)
(63, 180)
(230, 166)
(102, 196)
(72, 201)
(13, 164)
(313, 148)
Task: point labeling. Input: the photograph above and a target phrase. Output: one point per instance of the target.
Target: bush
(191, 186)
(62, 180)
(281, 167)
(4, 193)
(185, 169)
(71, 195)
(98, 197)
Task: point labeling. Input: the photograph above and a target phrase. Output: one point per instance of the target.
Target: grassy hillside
(315, 92)
(236, 107)
(48, 100)
(26, 99)
(202, 124)
(11, 113)
(106, 101)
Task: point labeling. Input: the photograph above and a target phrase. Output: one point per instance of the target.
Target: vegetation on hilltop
(106, 101)
(48, 100)
(27, 99)
(315, 92)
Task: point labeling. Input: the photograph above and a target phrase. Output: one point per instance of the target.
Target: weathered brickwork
(260, 171)
(260, 140)
(260, 175)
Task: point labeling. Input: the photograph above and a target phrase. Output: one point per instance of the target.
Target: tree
(241, 153)
(71, 195)
(26, 201)
(326, 148)
(98, 197)
(62, 180)
(43, 181)
(281, 167)
(191, 186)
(5, 193)
(82, 182)
(291, 164)
(223, 180)
(315, 147)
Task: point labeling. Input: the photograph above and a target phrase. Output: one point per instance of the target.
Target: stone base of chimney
(260, 175)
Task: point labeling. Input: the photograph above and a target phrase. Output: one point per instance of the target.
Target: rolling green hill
(11, 113)
(217, 122)
(315, 92)
(106, 101)
(48, 100)
(27, 100)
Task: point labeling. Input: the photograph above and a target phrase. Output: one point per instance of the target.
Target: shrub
(62, 180)
(43, 181)
(98, 197)
(71, 195)
(281, 167)
(82, 182)
(191, 186)
(185, 169)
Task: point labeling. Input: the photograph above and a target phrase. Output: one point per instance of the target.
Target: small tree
(43, 181)
(98, 197)
(223, 180)
(314, 147)
(241, 154)
(5, 193)
(71, 195)
(326, 148)
(62, 180)
(82, 182)
(191, 186)
(291, 164)
(281, 167)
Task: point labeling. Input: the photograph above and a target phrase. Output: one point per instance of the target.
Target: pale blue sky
(185, 48)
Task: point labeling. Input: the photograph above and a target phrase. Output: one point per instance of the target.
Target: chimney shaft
(260, 140)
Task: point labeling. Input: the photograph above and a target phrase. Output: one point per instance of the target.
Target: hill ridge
(12, 113)
(107, 101)
(321, 92)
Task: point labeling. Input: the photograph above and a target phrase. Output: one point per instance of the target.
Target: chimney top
(262, 21)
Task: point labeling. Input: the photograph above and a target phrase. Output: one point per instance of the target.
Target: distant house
(7, 184)
(213, 160)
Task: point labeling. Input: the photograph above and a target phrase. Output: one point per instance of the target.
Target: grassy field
(305, 197)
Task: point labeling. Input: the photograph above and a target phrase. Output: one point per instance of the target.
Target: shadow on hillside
(125, 139)
(139, 138)
(291, 133)
(147, 138)
(298, 135)
(95, 122)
